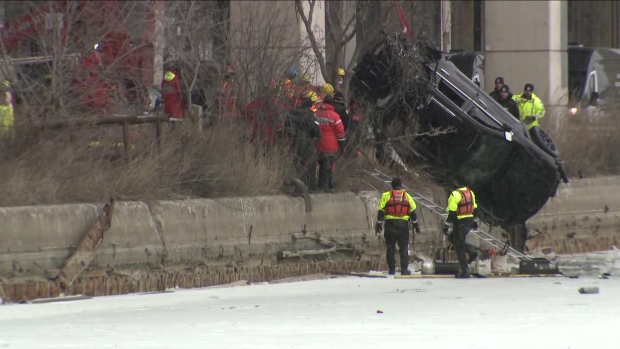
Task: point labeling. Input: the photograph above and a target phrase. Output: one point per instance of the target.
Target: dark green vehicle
(512, 174)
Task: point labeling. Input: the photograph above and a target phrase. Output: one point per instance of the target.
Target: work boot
(392, 272)
(463, 274)
(405, 272)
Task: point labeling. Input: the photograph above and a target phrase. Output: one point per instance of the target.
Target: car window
(477, 114)
(592, 83)
(450, 93)
(487, 158)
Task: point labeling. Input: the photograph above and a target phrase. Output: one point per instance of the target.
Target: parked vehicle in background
(594, 81)
(593, 78)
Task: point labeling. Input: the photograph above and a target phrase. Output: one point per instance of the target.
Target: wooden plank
(60, 299)
(420, 276)
(357, 274)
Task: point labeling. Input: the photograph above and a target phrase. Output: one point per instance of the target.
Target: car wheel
(544, 141)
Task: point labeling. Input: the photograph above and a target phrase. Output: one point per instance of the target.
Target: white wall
(524, 42)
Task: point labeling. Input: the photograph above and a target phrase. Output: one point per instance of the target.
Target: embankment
(153, 246)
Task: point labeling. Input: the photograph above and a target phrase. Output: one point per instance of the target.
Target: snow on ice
(342, 312)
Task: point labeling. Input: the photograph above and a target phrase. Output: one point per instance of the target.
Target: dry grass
(54, 168)
(63, 168)
(588, 145)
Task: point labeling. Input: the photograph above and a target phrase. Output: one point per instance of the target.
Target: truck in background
(593, 78)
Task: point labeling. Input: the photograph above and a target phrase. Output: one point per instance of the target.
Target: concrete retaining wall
(237, 233)
(37, 240)
(584, 216)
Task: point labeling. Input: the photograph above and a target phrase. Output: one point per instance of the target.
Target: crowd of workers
(526, 107)
(315, 120)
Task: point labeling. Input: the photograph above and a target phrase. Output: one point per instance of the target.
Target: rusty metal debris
(85, 252)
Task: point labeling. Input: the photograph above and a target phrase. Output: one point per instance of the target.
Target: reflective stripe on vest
(466, 205)
(397, 205)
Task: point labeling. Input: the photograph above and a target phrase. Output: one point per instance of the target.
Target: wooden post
(126, 138)
(158, 134)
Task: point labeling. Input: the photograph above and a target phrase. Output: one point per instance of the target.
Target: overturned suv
(512, 171)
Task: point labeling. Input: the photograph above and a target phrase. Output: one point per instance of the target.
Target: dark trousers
(326, 165)
(306, 165)
(457, 237)
(397, 231)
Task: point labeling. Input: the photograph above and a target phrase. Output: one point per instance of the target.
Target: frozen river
(339, 313)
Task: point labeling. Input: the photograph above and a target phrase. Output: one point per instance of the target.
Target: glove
(416, 227)
(378, 228)
(447, 228)
(341, 147)
(529, 119)
(342, 144)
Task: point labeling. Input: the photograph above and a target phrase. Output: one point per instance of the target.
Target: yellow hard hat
(311, 95)
(305, 79)
(327, 89)
(340, 72)
(169, 76)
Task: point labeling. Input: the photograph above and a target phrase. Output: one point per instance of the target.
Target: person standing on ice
(461, 212)
(397, 208)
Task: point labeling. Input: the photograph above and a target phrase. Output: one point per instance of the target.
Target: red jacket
(94, 90)
(332, 129)
(264, 120)
(171, 94)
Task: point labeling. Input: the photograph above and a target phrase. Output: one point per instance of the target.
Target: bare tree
(85, 58)
(345, 20)
(195, 41)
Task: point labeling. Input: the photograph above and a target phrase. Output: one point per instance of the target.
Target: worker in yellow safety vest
(461, 210)
(397, 209)
(7, 117)
(531, 108)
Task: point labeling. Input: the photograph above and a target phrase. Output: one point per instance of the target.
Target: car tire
(544, 141)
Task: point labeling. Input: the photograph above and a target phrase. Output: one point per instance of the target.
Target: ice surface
(341, 312)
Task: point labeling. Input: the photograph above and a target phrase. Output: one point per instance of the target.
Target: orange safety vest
(466, 205)
(397, 205)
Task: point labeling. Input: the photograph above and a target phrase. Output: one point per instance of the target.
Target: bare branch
(315, 47)
(311, 2)
(330, 23)
(347, 37)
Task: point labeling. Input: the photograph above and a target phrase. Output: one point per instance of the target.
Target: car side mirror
(593, 102)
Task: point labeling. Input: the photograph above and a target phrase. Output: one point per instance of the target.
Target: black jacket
(301, 126)
(495, 94)
(511, 106)
(344, 115)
